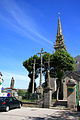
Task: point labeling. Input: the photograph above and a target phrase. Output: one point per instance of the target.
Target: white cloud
(16, 76)
(21, 81)
(22, 21)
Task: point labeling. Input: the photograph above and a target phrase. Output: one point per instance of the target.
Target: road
(26, 113)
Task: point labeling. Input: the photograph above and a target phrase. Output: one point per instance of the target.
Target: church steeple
(59, 30)
(59, 44)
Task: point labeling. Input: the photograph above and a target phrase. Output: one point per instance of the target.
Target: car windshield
(3, 98)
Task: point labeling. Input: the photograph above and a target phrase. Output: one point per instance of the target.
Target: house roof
(74, 74)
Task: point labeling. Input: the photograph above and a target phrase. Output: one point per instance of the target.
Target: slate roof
(74, 74)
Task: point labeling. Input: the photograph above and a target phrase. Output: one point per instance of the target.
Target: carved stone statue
(0, 78)
(12, 83)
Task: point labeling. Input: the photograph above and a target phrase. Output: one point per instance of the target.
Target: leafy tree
(31, 81)
(28, 64)
(61, 62)
(21, 92)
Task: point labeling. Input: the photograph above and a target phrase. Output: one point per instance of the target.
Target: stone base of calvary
(71, 96)
(70, 100)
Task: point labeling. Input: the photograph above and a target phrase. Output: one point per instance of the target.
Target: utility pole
(33, 76)
(41, 53)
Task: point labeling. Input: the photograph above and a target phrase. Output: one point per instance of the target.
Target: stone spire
(59, 44)
(59, 30)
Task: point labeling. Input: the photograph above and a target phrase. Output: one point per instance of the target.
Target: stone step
(60, 103)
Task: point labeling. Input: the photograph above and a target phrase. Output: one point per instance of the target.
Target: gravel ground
(26, 113)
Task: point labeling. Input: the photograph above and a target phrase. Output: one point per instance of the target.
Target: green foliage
(61, 62)
(28, 64)
(77, 94)
(21, 92)
(29, 97)
(46, 57)
(30, 87)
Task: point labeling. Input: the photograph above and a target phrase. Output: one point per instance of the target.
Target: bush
(21, 93)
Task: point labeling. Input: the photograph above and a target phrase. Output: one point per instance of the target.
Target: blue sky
(26, 26)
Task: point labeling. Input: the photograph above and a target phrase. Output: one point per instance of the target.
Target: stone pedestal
(40, 92)
(47, 97)
(71, 94)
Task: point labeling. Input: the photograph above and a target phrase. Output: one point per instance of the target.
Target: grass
(24, 100)
(53, 100)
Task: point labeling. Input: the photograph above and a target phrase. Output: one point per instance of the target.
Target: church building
(75, 75)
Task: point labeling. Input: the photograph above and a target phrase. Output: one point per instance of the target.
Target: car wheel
(7, 108)
(19, 105)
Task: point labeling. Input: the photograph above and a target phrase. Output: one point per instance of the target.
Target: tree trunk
(59, 90)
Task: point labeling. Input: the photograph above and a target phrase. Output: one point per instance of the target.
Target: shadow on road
(65, 115)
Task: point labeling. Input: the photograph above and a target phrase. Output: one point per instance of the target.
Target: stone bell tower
(59, 44)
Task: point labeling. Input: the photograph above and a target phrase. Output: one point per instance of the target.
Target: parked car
(7, 103)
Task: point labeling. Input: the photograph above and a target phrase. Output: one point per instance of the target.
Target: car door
(10, 102)
(16, 102)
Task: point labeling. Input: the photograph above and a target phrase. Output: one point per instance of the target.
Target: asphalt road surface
(26, 113)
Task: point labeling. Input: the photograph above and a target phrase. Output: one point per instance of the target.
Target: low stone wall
(29, 104)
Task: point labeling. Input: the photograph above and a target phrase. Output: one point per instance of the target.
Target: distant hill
(77, 58)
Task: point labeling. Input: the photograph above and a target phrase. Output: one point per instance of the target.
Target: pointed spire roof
(59, 30)
(59, 44)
